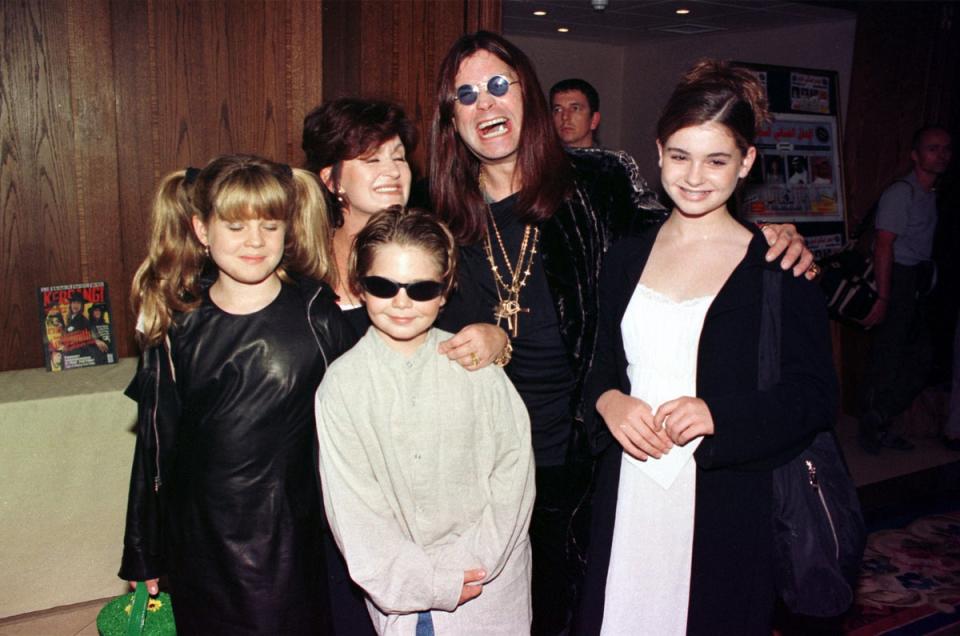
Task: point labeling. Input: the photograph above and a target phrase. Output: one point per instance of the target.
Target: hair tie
(191, 175)
(287, 170)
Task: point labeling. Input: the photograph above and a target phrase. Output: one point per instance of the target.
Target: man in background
(902, 255)
(576, 112)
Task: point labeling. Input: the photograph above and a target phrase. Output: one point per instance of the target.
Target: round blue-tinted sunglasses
(498, 85)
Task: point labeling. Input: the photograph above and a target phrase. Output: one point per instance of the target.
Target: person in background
(533, 223)
(576, 112)
(901, 353)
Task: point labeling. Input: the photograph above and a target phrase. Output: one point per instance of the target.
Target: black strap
(868, 222)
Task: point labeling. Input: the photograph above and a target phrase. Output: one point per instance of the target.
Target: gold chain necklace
(508, 295)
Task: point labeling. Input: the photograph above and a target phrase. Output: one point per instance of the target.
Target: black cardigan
(731, 579)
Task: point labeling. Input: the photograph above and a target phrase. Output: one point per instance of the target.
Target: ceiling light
(563, 30)
(540, 13)
(682, 11)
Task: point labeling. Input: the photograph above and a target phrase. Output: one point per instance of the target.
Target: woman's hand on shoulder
(631, 423)
(785, 241)
(684, 419)
(475, 346)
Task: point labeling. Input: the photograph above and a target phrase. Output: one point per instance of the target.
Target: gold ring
(474, 360)
(815, 269)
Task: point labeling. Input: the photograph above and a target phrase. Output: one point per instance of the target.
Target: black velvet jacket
(610, 201)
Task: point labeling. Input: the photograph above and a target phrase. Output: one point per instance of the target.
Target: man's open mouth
(493, 128)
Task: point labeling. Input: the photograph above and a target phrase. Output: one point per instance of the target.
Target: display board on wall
(798, 176)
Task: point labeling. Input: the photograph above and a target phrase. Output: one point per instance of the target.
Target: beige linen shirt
(427, 471)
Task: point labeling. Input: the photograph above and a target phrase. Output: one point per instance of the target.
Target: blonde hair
(230, 187)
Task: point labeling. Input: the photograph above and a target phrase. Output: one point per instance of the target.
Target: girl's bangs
(255, 197)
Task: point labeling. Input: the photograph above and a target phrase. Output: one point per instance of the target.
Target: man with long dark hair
(533, 223)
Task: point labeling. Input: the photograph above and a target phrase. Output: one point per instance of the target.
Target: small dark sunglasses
(385, 288)
(498, 85)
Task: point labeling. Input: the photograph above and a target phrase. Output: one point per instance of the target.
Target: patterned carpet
(910, 580)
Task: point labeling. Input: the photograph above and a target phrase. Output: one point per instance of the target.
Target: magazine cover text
(75, 324)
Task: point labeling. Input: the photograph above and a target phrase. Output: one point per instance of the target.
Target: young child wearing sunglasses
(427, 467)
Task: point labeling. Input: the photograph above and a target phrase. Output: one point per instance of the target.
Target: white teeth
(493, 122)
(493, 128)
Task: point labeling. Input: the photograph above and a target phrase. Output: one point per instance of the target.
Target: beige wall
(599, 64)
(635, 81)
(653, 69)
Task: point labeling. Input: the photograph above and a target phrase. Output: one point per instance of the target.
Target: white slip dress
(648, 580)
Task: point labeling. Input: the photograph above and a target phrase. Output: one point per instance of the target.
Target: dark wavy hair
(545, 172)
(713, 91)
(345, 129)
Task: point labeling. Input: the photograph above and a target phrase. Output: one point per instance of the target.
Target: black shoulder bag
(818, 529)
(847, 279)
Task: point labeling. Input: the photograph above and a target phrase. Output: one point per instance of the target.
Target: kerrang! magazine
(76, 326)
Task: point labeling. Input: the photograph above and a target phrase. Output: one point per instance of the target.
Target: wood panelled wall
(906, 73)
(100, 98)
(393, 50)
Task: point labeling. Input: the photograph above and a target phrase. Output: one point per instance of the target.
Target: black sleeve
(158, 412)
(634, 207)
(358, 320)
(761, 429)
(338, 331)
(605, 371)
(611, 181)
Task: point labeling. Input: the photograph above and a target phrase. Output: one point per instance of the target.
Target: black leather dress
(224, 496)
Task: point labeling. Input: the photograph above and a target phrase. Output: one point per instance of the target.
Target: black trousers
(552, 587)
(901, 354)
(558, 540)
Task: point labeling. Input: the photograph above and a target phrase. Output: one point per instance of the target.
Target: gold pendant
(508, 309)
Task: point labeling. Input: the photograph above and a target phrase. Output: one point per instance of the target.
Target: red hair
(345, 129)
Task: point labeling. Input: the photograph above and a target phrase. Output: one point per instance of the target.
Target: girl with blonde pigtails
(237, 332)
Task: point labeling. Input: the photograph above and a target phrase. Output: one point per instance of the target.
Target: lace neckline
(660, 296)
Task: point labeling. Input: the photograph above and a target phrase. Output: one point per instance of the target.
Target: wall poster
(795, 176)
(798, 175)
